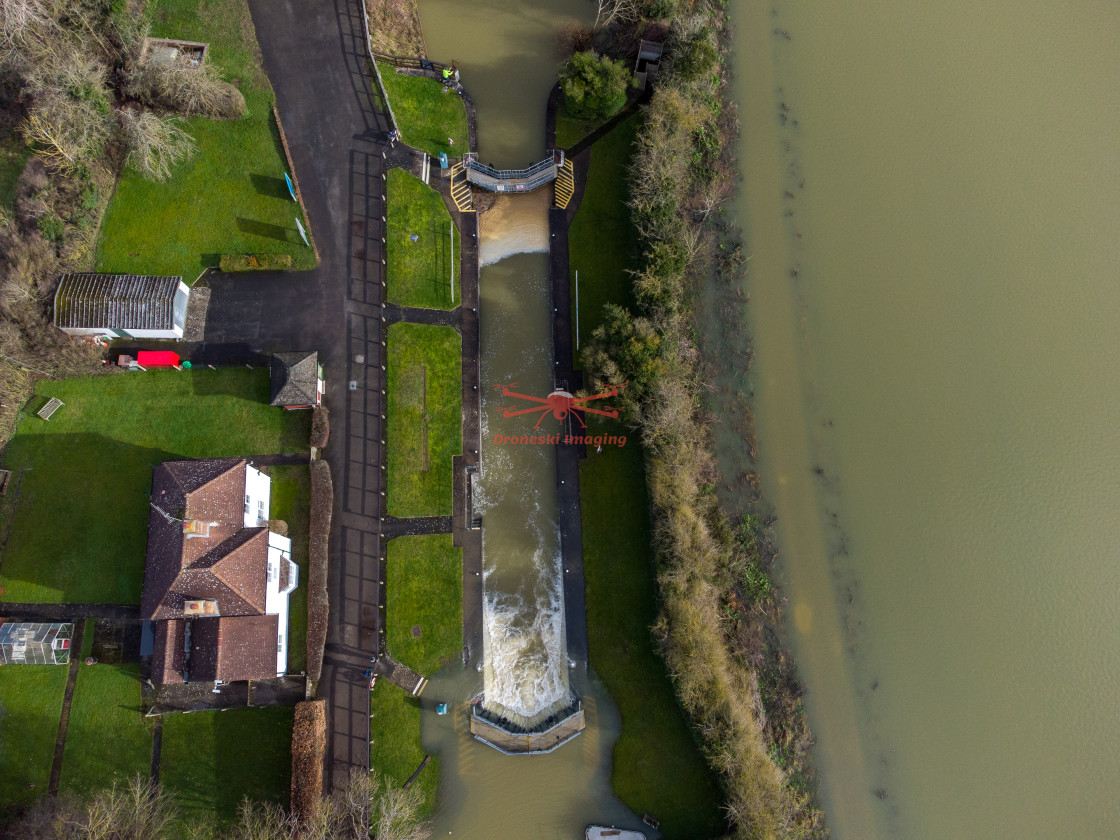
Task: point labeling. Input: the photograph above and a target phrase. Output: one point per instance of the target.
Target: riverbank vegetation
(717, 609)
(421, 245)
(673, 782)
(395, 751)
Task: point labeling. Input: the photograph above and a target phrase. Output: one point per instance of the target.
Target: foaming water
(524, 645)
(514, 225)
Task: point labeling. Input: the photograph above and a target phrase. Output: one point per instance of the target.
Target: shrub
(51, 227)
(189, 90)
(594, 86)
(255, 262)
(320, 427)
(309, 746)
(318, 605)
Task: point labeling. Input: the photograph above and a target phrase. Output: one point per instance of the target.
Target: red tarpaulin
(157, 358)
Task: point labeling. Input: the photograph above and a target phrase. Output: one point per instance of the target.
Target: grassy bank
(424, 418)
(210, 761)
(424, 587)
(420, 272)
(291, 503)
(232, 191)
(602, 239)
(395, 750)
(658, 767)
(30, 705)
(105, 440)
(426, 115)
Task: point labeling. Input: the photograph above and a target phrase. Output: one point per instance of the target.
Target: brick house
(216, 580)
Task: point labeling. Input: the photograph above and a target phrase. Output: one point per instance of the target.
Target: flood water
(505, 51)
(931, 203)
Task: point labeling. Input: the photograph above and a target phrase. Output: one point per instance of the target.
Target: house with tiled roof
(216, 579)
(121, 305)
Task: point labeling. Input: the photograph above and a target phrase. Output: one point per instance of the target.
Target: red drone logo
(561, 403)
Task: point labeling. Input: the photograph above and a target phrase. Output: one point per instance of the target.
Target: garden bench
(53, 405)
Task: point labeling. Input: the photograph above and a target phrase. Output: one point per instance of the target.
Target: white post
(451, 233)
(577, 308)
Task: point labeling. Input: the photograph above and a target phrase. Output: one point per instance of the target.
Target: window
(280, 643)
(271, 571)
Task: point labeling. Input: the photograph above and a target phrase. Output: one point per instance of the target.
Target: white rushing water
(524, 644)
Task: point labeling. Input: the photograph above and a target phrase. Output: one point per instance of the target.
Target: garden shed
(121, 305)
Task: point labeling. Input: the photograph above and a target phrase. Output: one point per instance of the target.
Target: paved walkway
(315, 55)
(67, 612)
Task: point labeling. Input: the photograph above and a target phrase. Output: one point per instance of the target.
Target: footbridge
(472, 172)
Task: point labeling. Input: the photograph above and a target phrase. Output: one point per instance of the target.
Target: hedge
(255, 262)
(320, 427)
(309, 746)
(318, 607)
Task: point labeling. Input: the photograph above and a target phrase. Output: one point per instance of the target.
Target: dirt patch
(395, 27)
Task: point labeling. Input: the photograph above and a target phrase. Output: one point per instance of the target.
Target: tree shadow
(266, 230)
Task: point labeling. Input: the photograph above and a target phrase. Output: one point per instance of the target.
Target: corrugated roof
(295, 378)
(115, 301)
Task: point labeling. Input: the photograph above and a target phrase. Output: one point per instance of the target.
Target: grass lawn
(395, 751)
(13, 156)
(30, 705)
(211, 760)
(291, 502)
(424, 418)
(109, 739)
(89, 472)
(426, 115)
(658, 765)
(420, 271)
(601, 238)
(232, 190)
(425, 589)
(570, 130)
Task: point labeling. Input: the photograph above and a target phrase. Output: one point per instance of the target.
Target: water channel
(505, 51)
(931, 201)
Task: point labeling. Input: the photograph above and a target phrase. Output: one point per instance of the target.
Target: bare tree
(65, 132)
(614, 11)
(18, 18)
(155, 144)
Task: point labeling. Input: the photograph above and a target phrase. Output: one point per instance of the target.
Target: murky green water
(932, 204)
(505, 50)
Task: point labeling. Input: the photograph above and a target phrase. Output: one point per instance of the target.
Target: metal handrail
(470, 160)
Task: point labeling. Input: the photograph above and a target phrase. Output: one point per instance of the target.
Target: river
(931, 205)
